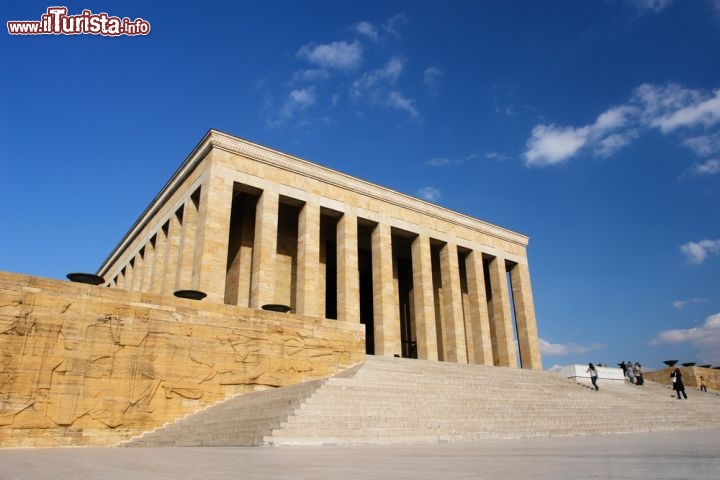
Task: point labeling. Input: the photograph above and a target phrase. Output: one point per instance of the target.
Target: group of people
(633, 372)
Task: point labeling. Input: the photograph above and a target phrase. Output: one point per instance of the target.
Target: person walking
(593, 375)
(678, 385)
(703, 388)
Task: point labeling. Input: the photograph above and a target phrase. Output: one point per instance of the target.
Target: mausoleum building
(251, 226)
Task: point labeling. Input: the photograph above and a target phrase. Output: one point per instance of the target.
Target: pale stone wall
(85, 365)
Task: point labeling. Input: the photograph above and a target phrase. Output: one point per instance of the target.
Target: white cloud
(680, 304)
(393, 24)
(564, 349)
(341, 56)
(710, 167)
(298, 100)
(704, 112)
(697, 252)
(431, 194)
(609, 145)
(653, 5)
(668, 108)
(431, 76)
(372, 82)
(705, 338)
(368, 30)
(552, 145)
(613, 118)
(397, 101)
(704, 145)
(496, 156)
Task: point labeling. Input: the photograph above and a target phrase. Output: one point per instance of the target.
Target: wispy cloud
(448, 162)
(341, 56)
(704, 145)
(431, 194)
(565, 349)
(651, 5)
(367, 30)
(431, 77)
(398, 101)
(705, 338)
(710, 167)
(497, 156)
(697, 252)
(298, 100)
(336, 71)
(667, 108)
(310, 75)
(372, 83)
(680, 304)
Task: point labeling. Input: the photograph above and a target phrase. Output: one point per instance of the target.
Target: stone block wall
(85, 365)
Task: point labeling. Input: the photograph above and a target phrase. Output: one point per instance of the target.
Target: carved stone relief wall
(85, 365)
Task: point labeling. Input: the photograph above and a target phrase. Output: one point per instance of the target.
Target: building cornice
(308, 169)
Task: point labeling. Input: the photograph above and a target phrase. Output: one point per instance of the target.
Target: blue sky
(591, 126)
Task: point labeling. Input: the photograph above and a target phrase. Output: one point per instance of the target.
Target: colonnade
(467, 303)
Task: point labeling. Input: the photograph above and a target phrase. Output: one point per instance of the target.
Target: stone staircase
(392, 400)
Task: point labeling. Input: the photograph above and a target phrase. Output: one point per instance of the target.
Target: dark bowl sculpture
(190, 294)
(89, 278)
(688, 364)
(276, 307)
(704, 366)
(670, 363)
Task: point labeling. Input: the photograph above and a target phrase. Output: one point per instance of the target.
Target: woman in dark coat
(678, 383)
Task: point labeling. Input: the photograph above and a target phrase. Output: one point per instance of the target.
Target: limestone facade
(251, 226)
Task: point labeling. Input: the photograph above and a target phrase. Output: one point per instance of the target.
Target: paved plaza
(666, 455)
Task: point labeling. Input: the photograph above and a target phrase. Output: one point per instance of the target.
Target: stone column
(426, 333)
(173, 253)
(308, 261)
(138, 272)
(129, 274)
(160, 259)
(501, 317)
(348, 275)
(149, 263)
(262, 290)
(478, 314)
(525, 317)
(186, 251)
(385, 306)
(211, 248)
(456, 350)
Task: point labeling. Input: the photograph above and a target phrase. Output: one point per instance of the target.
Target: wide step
(392, 400)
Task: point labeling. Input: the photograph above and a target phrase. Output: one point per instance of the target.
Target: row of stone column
(490, 343)
(166, 262)
(190, 252)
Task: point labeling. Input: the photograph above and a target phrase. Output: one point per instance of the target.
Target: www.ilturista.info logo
(57, 22)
